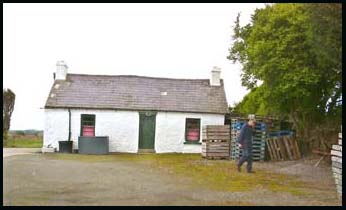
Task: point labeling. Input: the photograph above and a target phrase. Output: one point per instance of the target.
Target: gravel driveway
(7, 152)
(36, 180)
(39, 179)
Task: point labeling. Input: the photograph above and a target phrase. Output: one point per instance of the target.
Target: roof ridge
(100, 75)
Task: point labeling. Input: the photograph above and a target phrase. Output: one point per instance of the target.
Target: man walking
(245, 143)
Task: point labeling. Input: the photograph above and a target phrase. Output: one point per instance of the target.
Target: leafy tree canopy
(296, 51)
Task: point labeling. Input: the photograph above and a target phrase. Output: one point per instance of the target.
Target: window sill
(189, 142)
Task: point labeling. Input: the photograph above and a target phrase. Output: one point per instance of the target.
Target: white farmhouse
(137, 113)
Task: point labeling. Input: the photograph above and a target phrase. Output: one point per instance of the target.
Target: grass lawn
(24, 143)
(220, 175)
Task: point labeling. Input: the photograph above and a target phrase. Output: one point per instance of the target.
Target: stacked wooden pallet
(216, 141)
(336, 153)
(258, 143)
(283, 148)
(272, 124)
(234, 137)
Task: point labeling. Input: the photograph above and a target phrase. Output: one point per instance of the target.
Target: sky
(159, 40)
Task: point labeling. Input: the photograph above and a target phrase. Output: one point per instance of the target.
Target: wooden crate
(216, 141)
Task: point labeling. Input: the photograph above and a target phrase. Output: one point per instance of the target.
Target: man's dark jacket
(245, 136)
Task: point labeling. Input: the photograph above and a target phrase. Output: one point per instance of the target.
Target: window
(192, 129)
(87, 125)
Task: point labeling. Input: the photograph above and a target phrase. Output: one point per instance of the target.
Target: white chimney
(215, 76)
(61, 70)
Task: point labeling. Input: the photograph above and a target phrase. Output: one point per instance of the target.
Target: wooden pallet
(258, 140)
(256, 152)
(253, 158)
(239, 152)
(253, 155)
(336, 165)
(336, 153)
(337, 159)
(283, 148)
(337, 147)
(336, 156)
(217, 158)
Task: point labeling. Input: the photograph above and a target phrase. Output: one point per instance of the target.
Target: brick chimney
(215, 76)
(61, 70)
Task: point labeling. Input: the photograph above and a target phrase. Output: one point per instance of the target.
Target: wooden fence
(216, 142)
(283, 148)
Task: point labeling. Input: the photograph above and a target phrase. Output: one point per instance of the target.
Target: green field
(24, 142)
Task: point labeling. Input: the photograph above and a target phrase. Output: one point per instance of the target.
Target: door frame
(140, 127)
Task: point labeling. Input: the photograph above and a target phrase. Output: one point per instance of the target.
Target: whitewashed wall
(170, 131)
(122, 129)
(120, 126)
(55, 127)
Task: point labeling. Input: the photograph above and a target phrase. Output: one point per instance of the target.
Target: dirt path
(7, 152)
(319, 178)
(304, 169)
(38, 180)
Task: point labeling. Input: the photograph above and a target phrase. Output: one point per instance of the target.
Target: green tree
(295, 49)
(253, 103)
(8, 106)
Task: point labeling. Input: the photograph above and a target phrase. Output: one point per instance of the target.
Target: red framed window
(192, 129)
(87, 125)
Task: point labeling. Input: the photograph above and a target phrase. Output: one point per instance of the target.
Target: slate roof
(126, 92)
